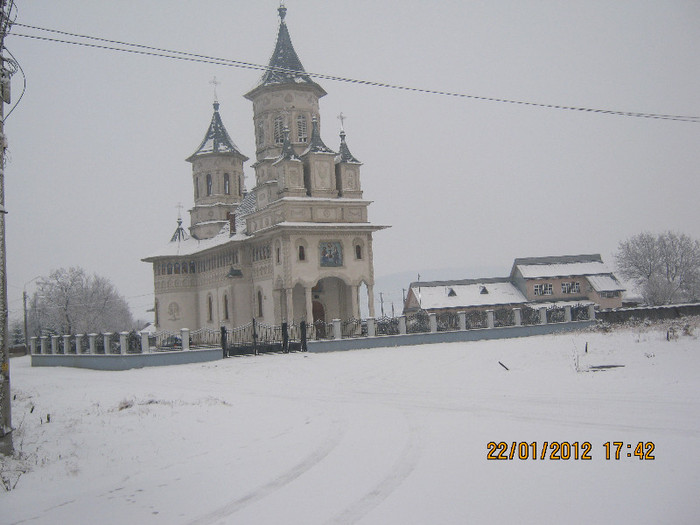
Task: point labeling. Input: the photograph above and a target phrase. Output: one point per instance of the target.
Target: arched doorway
(319, 316)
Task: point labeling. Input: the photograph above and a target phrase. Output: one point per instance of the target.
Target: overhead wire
(141, 49)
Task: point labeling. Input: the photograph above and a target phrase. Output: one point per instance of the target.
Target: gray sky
(97, 145)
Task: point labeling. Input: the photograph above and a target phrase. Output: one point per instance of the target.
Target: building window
(302, 132)
(196, 187)
(226, 307)
(543, 289)
(227, 184)
(155, 312)
(208, 184)
(170, 268)
(302, 254)
(279, 259)
(210, 309)
(261, 133)
(570, 288)
(610, 295)
(279, 130)
(260, 304)
(177, 268)
(358, 251)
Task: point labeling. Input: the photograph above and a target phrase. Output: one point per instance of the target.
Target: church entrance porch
(330, 298)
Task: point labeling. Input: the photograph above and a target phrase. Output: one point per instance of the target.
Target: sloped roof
(316, 144)
(344, 154)
(284, 66)
(605, 283)
(560, 266)
(216, 139)
(466, 293)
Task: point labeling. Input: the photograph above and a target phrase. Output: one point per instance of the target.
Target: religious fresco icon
(331, 253)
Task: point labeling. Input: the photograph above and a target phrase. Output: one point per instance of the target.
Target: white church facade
(298, 246)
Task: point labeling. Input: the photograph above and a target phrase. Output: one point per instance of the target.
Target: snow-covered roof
(284, 66)
(604, 283)
(216, 139)
(344, 154)
(316, 144)
(561, 266)
(488, 292)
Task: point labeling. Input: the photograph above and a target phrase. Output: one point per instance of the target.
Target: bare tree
(666, 267)
(71, 301)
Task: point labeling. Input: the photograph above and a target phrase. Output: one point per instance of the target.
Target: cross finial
(179, 207)
(282, 10)
(342, 118)
(215, 83)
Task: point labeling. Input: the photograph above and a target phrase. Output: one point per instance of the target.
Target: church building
(298, 246)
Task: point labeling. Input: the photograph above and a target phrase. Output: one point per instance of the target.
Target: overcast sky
(97, 145)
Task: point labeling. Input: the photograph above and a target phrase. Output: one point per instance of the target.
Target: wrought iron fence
(555, 314)
(447, 321)
(205, 338)
(530, 316)
(114, 343)
(353, 328)
(579, 312)
(164, 341)
(320, 330)
(503, 317)
(100, 344)
(418, 322)
(133, 342)
(84, 343)
(476, 319)
(387, 325)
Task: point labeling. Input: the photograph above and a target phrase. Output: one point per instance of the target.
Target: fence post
(462, 320)
(78, 344)
(44, 345)
(255, 338)
(567, 313)
(285, 337)
(433, 322)
(91, 343)
(402, 324)
(107, 340)
(302, 334)
(32, 345)
(489, 319)
(337, 334)
(66, 344)
(145, 345)
(371, 327)
(185, 337)
(54, 344)
(543, 316)
(591, 312)
(518, 315)
(223, 342)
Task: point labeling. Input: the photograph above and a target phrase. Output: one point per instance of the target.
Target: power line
(141, 49)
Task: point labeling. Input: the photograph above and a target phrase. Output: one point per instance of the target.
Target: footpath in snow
(394, 435)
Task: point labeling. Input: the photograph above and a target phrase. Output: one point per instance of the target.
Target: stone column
(145, 345)
(462, 320)
(370, 299)
(402, 324)
(518, 315)
(185, 336)
(591, 312)
(123, 343)
(353, 302)
(433, 322)
(44, 345)
(309, 305)
(92, 338)
(543, 316)
(489, 319)
(337, 332)
(567, 313)
(107, 340)
(78, 344)
(54, 344)
(289, 297)
(371, 327)
(66, 344)
(32, 345)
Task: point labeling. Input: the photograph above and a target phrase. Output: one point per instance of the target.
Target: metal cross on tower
(215, 83)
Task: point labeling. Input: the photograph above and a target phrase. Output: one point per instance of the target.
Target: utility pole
(5, 396)
(381, 301)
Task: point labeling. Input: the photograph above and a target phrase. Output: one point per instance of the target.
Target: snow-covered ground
(374, 436)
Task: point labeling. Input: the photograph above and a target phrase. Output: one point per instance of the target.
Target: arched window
(208, 184)
(210, 309)
(260, 304)
(279, 130)
(177, 268)
(302, 133)
(227, 184)
(302, 254)
(225, 306)
(358, 251)
(192, 267)
(170, 268)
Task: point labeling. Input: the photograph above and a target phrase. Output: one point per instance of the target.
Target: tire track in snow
(315, 457)
(402, 468)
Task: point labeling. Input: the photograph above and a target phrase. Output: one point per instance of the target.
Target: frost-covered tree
(665, 267)
(71, 301)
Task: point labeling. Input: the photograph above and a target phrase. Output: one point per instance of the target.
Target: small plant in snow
(125, 403)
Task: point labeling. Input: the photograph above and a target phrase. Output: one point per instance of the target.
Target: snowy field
(378, 436)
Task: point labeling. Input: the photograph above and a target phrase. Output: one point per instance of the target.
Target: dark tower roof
(344, 154)
(287, 149)
(216, 140)
(284, 66)
(316, 144)
(180, 233)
